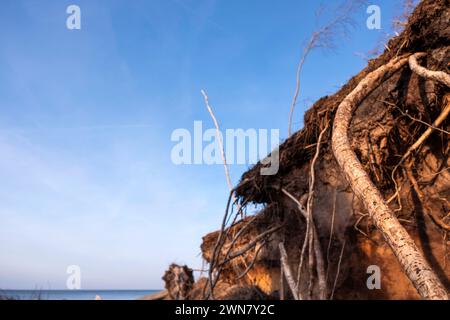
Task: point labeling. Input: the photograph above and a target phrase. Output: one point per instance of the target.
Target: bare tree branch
(219, 139)
(324, 37)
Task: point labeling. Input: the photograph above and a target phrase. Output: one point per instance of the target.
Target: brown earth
(384, 126)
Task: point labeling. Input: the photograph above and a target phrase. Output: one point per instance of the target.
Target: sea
(75, 294)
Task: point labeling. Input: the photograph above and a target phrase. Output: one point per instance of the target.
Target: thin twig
(219, 267)
(252, 263)
(306, 51)
(440, 119)
(406, 114)
(238, 234)
(251, 245)
(362, 216)
(232, 195)
(214, 253)
(331, 235)
(432, 175)
(310, 222)
(338, 270)
(222, 150)
(219, 138)
(427, 133)
(317, 248)
(324, 37)
(281, 284)
(428, 211)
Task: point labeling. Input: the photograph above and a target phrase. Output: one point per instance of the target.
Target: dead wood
(389, 116)
(408, 254)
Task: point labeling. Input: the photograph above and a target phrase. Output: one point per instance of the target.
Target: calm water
(75, 294)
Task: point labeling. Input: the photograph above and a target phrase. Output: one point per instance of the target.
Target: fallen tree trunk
(410, 258)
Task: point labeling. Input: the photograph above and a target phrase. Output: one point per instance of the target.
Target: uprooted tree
(365, 183)
(410, 258)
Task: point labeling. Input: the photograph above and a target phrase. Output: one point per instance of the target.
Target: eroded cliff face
(384, 126)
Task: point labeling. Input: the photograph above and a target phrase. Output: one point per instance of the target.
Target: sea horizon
(81, 294)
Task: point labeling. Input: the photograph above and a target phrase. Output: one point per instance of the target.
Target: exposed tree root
(317, 250)
(338, 271)
(252, 263)
(287, 271)
(245, 255)
(428, 74)
(216, 251)
(426, 134)
(410, 258)
(314, 246)
(432, 75)
(418, 120)
(420, 195)
(216, 265)
(331, 236)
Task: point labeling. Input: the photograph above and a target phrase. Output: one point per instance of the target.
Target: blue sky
(86, 118)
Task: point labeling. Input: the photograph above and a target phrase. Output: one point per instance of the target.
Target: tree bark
(287, 271)
(410, 258)
(428, 74)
